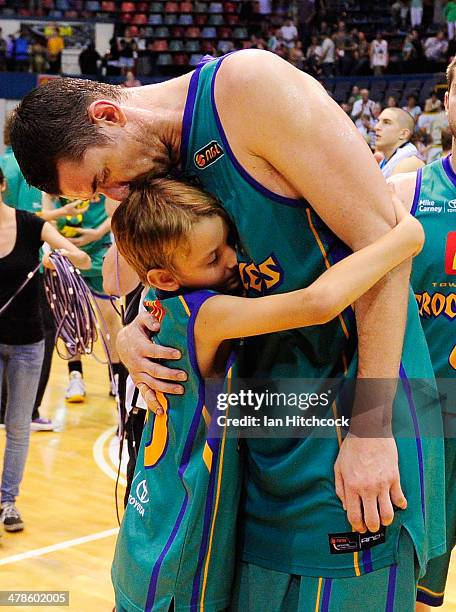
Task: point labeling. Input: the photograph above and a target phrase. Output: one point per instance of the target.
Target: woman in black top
(21, 336)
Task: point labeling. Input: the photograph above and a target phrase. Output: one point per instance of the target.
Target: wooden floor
(67, 502)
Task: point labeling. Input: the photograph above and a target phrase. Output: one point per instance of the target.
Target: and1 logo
(450, 254)
(208, 155)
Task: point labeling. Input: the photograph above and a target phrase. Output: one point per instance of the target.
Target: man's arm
(313, 145)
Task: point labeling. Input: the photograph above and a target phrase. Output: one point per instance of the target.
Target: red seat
(186, 7)
(127, 7)
(108, 7)
(142, 7)
(126, 17)
(171, 7)
(232, 19)
(140, 19)
(201, 19)
(177, 32)
(159, 45)
(193, 32)
(180, 59)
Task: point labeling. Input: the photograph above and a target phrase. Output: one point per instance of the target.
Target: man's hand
(138, 352)
(368, 482)
(86, 236)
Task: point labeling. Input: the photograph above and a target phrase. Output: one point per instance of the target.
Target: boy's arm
(91, 234)
(224, 317)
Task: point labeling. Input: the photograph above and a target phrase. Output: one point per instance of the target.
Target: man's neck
(163, 105)
(390, 151)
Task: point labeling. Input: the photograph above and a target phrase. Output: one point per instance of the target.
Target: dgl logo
(208, 154)
(450, 254)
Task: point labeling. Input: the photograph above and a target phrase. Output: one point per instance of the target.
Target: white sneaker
(75, 392)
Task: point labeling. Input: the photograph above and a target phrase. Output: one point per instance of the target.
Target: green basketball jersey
(90, 217)
(434, 269)
(291, 510)
(178, 535)
(18, 193)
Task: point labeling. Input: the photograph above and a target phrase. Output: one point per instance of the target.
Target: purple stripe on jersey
(446, 163)
(253, 182)
(419, 447)
(157, 566)
(391, 589)
(326, 595)
(416, 195)
(194, 303)
(208, 510)
(188, 115)
(367, 562)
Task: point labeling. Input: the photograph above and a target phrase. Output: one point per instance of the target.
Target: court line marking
(99, 457)
(38, 552)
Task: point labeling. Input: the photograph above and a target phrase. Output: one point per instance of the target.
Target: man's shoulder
(404, 185)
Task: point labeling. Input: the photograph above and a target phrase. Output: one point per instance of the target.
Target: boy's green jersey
(434, 269)
(90, 217)
(291, 511)
(178, 535)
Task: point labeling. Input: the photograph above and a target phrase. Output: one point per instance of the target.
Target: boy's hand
(139, 354)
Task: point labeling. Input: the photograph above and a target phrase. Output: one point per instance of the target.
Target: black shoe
(10, 517)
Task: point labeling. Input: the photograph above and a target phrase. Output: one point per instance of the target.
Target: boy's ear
(162, 279)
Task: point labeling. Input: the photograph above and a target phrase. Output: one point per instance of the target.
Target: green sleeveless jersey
(291, 510)
(434, 269)
(90, 217)
(18, 193)
(178, 535)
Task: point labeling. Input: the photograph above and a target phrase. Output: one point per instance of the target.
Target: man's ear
(106, 111)
(445, 102)
(162, 279)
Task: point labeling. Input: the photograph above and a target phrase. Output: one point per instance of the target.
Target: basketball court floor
(67, 501)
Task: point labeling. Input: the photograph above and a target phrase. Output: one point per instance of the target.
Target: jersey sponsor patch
(208, 155)
(351, 541)
(450, 254)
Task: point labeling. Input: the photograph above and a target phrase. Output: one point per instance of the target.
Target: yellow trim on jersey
(422, 588)
(327, 264)
(217, 498)
(207, 456)
(154, 451)
(206, 416)
(317, 603)
(184, 304)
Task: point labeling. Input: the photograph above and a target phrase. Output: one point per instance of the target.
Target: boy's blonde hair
(155, 220)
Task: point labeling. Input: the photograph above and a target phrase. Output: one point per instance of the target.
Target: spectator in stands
(399, 12)
(355, 95)
(55, 46)
(392, 102)
(361, 55)
(367, 130)
(379, 55)
(394, 132)
(432, 104)
(38, 56)
(289, 33)
(412, 106)
(2, 51)
(416, 13)
(22, 53)
(412, 52)
(131, 80)
(313, 56)
(11, 53)
(328, 56)
(296, 56)
(273, 39)
(112, 59)
(89, 60)
(127, 51)
(346, 107)
(435, 47)
(450, 13)
(363, 106)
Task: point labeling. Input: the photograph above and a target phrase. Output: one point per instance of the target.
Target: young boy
(176, 544)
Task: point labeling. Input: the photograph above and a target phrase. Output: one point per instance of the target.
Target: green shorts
(431, 587)
(392, 589)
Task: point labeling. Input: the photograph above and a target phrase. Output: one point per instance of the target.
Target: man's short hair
(52, 124)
